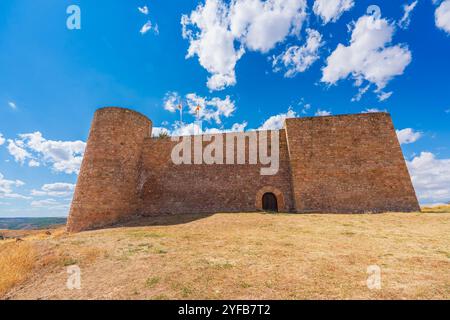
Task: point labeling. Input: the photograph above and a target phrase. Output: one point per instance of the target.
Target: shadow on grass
(161, 220)
(173, 219)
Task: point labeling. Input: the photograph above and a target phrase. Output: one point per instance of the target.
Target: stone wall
(337, 164)
(203, 188)
(349, 163)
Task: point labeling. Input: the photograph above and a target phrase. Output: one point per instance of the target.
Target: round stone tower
(106, 189)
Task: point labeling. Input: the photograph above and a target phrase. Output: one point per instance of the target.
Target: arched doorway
(269, 202)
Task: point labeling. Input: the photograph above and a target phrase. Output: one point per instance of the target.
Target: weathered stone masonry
(335, 164)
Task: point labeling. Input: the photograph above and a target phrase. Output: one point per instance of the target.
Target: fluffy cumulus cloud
(331, 10)
(210, 109)
(58, 189)
(186, 129)
(219, 32)
(6, 188)
(442, 16)
(64, 156)
(171, 101)
(408, 135)
(276, 122)
(17, 150)
(406, 19)
(431, 177)
(299, 58)
(369, 56)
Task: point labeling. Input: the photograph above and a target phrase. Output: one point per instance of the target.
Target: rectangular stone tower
(348, 163)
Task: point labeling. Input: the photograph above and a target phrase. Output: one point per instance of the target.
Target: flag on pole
(197, 111)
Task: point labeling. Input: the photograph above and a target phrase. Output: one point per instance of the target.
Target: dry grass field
(237, 256)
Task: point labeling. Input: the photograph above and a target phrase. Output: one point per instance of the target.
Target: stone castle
(331, 164)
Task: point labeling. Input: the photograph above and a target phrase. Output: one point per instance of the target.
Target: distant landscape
(30, 223)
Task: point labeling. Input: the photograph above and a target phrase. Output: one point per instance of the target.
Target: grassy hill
(237, 256)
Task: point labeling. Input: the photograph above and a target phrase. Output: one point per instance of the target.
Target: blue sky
(251, 64)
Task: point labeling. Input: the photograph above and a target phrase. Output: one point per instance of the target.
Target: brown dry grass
(16, 263)
(250, 256)
(437, 209)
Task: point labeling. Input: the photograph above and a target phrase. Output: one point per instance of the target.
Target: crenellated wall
(349, 163)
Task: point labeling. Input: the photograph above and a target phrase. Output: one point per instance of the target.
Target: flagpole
(181, 114)
(198, 116)
(180, 107)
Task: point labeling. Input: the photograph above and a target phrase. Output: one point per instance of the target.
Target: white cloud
(157, 131)
(51, 204)
(12, 105)
(149, 26)
(361, 91)
(171, 101)
(369, 56)
(431, 177)
(406, 19)
(442, 16)
(64, 156)
(382, 96)
(219, 33)
(276, 122)
(213, 43)
(239, 127)
(331, 10)
(33, 163)
(322, 113)
(58, 189)
(6, 188)
(372, 110)
(408, 135)
(260, 25)
(306, 108)
(299, 58)
(210, 109)
(16, 149)
(2, 140)
(143, 10)
(187, 129)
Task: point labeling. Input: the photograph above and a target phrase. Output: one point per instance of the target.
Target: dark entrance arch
(269, 202)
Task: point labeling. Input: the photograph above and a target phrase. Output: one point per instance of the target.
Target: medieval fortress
(332, 164)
